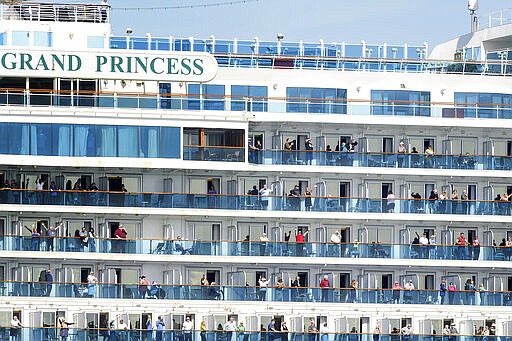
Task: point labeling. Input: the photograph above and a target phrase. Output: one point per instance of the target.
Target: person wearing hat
(336, 243)
(91, 284)
(453, 332)
(402, 150)
(262, 291)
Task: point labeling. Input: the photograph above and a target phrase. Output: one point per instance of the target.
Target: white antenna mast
(473, 7)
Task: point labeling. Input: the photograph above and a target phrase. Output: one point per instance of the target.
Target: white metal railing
(494, 19)
(31, 11)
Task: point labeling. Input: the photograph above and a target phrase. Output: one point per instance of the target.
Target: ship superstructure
(237, 165)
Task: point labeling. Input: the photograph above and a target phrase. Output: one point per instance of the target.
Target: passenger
(335, 244)
(264, 193)
(442, 290)
(429, 157)
(312, 330)
(188, 329)
(308, 145)
(324, 332)
(299, 242)
(395, 298)
(376, 332)
(284, 332)
(390, 207)
(325, 286)
(262, 288)
(352, 295)
(451, 293)
(264, 244)
(408, 292)
(407, 332)
(432, 201)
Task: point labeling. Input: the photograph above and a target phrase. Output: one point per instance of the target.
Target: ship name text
(107, 65)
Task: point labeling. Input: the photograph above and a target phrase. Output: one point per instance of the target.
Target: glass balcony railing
(382, 160)
(255, 202)
(238, 105)
(250, 293)
(94, 333)
(256, 248)
(226, 154)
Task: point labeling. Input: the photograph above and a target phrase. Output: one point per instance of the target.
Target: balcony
(380, 160)
(236, 106)
(251, 293)
(329, 204)
(253, 248)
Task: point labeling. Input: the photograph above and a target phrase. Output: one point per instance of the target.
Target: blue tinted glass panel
(84, 138)
(106, 141)
(149, 142)
(127, 141)
(4, 132)
(3, 36)
(171, 141)
(316, 100)
(400, 102)
(40, 139)
(160, 44)
(213, 96)
(95, 42)
(238, 95)
(118, 43)
(19, 138)
(43, 39)
(62, 139)
(20, 38)
(193, 97)
(127, 102)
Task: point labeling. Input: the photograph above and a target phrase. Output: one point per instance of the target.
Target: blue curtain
(80, 145)
(106, 139)
(149, 142)
(128, 141)
(64, 140)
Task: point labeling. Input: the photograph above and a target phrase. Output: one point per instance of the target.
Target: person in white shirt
(91, 284)
(424, 245)
(188, 327)
(230, 326)
(324, 332)
(262, 292)
(407, 332)
(263, 244)
(408, 287)
(265, 196)
(335, 246)
(15, 328)
(122, 329)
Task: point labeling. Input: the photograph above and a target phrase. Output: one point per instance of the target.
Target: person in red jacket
(299, 242)
(325, 285)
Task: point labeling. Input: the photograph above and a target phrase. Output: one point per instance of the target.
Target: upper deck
(44, 12)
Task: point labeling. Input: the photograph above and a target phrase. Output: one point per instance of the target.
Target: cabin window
(483, 105)
(95, 42)
(43, 39)
(249, 97)
(20, 38)
(316, 100)
(400, 103)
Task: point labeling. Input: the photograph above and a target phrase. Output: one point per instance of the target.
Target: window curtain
(106, 141)
(81, 136)
(64, 140)
(128, 141)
